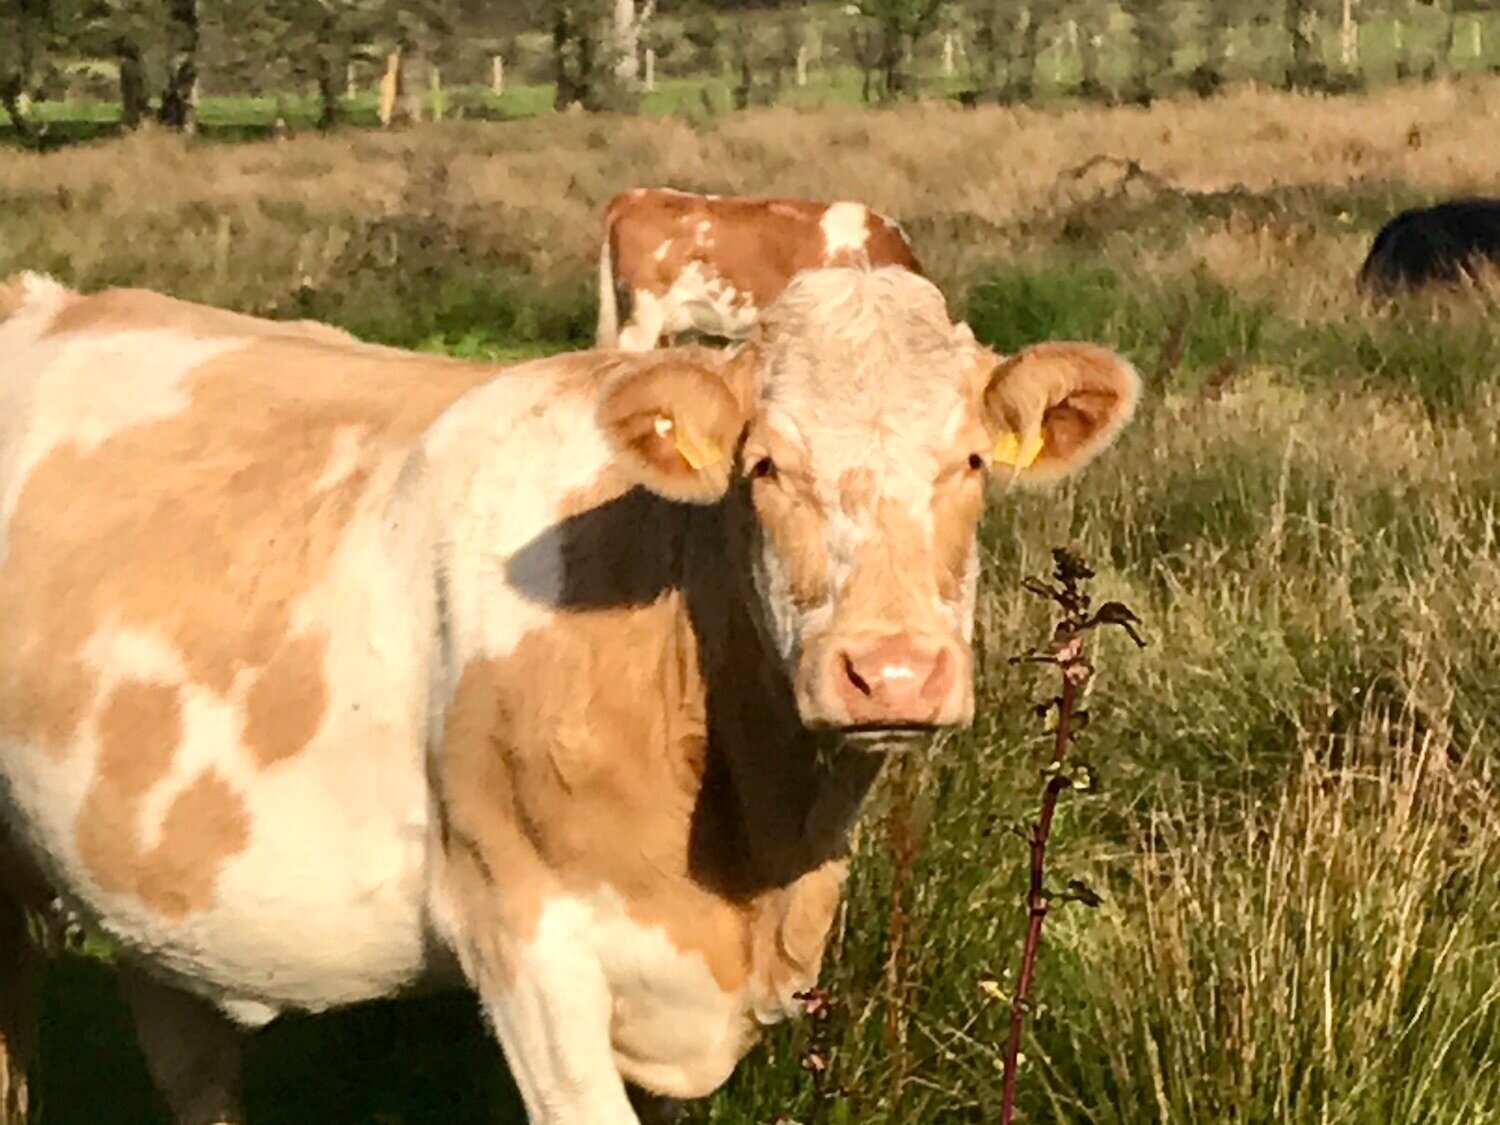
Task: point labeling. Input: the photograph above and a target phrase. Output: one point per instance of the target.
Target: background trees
(156, 56)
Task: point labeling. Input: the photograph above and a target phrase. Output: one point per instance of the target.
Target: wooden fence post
(390, 87)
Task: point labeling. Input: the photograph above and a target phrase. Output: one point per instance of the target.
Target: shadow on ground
(392, 1063)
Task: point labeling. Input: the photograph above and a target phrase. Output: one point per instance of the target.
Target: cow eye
(763, 469)
(976, 462)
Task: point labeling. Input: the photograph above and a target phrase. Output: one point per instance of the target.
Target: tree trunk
(893, 78)
(328, 92)
(1349, 38)
(415, 79)
(327, 72)
(132, 83)
(629, 25)
(574, 58)
(1030, 46)
(10, 98)
(563, 92)
(177, 108)
(1450, 38)
(1089, 83)
(1299, 70)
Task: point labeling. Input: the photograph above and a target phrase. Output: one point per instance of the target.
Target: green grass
(1297, 828)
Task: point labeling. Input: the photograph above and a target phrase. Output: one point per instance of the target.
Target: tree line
(152, 56)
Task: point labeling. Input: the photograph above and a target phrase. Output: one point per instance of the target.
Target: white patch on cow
(624, 1000)
(674, 1029)
(343, 458)
(701, 300)
(324, 905)
(845, 226)
(249, 1014)
(701, 232)
(500, 498)
(553, 1021)
(661, 252)
(647, 316)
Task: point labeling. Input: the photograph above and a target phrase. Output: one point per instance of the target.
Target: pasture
(1296, 830)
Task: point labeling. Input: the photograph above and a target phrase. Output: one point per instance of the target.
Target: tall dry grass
(253, 224)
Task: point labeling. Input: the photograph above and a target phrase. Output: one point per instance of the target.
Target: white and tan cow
(330, 671)
(709, 264)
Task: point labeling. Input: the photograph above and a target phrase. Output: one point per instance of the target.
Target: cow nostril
(854, 677)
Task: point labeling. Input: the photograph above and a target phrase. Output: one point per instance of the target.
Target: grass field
(1297, 830)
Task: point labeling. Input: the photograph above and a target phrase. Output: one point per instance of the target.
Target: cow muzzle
(889, 682)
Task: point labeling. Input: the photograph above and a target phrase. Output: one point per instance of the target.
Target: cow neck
(777, 800)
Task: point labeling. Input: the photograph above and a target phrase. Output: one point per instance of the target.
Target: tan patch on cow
(791, 938)
(206, 824)
(581, 761)
(893, 572)
(791, 517)
(204, 529)
(286, 703)
(957, 506)
(856, 490)
(887, 245)
(201, 531)
(142, 310)
(756, 246)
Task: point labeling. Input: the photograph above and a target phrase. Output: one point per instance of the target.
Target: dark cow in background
(1443, 244)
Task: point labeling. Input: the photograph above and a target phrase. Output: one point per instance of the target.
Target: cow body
(330, 671)
(709, 264)
(1439, 245)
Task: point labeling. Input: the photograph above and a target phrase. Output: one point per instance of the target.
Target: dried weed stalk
(1066, 652)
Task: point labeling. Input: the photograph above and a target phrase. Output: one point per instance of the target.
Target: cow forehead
(863, 369)
(855, 345)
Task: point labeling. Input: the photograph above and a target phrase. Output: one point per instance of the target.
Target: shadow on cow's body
(325, 668)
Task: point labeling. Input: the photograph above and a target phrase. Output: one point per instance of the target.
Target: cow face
(852, 440)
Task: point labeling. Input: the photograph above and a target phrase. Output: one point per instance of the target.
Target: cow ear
(677, 423)
(1052, 407)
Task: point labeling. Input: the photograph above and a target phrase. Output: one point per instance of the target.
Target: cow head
(851, 440)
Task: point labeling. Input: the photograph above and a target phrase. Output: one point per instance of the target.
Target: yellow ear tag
(698, 452)
(1011, 450)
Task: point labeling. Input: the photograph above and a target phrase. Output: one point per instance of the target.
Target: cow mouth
(898, 736)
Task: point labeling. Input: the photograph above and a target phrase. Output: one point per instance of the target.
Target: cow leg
(545, 995)
(552, 1019)
(194, 1052)
(648, 316)
(20, 965)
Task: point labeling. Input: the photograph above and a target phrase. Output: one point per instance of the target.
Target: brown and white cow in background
(330, 671)
(710, 264)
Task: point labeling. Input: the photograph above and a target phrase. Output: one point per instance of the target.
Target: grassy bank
(1297, 831)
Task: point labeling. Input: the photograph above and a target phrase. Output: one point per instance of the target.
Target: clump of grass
(1327, 955)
